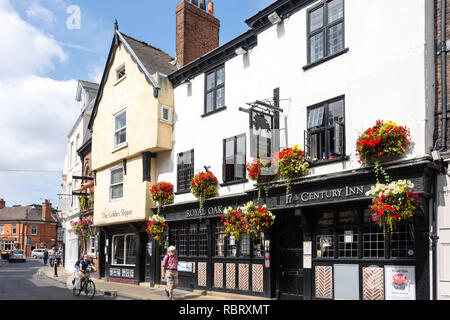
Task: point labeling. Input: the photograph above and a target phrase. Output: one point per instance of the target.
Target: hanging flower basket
(234, 222)
(383, 142)
(259, 219)
(83, 229)
(156, 227)
(254, 173)
(250, 219)
(204, 186)
(392, 203)
(162, 192)
(292, 164)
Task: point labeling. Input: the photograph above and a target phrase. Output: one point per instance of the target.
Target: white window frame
(169, 109)
(124, 251)
(116, 184)
(91, 246)
(35, 230)
(118, 71)
(116, 131)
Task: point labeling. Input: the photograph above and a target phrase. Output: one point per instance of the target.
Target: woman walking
(170, 271)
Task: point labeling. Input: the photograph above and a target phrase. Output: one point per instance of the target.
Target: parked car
(38, 253)
(17, 255)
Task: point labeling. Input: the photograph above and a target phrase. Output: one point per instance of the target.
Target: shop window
(373, 238)
(215, 89)
(203, 240)
(402, 241)
(183, 240)
(244, 245)
(325, 235)
(220, 240)
(124, 249)
(185, 170)
(324, 139)
(325, 30)
(348, 234)
(234, 157)
(258, 246)
(193, 230)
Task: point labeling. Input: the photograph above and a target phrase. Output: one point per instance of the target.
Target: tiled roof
(20, 214)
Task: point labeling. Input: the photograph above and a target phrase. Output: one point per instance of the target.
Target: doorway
(289, 235)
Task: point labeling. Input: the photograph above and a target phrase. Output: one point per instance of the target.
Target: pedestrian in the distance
(45, 256)
(170, 271)
(55, 263)
(51, 258)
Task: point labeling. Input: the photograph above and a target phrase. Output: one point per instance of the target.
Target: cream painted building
(131, 123)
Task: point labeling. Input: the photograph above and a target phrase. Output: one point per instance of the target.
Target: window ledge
(166, 122)
(319, 163)
(120, 147)
(230, 183)
(325, 59)
(213, 112)
(120, 80)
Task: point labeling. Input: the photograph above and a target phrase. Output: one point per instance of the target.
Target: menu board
(400, 282)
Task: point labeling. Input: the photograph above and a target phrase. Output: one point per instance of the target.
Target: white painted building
(73, 167)
(376, 61)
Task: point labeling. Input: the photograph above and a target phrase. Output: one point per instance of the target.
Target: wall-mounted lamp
(274, 18)
(240, 51)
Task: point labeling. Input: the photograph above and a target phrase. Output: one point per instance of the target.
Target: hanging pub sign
(264, 137)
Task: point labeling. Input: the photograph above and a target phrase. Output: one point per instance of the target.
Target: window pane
(245, 245)
(348, 234)
(193, 234)
(117, 192)
(203, 239)
(336, 38)
(220, 98)
(315, 117)
(316, 47)
(121, 137)
(210, 102)
(316, 19)
(335, 10)
(118, 247)
(220, 76)
(117, 176)
(240, 158)
(131, 250)
(220, 239)
(325, 235)
(121, 120)
(210, 81)
(336, 113)
(229, 159)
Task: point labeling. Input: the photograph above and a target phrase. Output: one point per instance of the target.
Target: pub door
(289, 234)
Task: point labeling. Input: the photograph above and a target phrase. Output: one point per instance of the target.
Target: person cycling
(83, 265)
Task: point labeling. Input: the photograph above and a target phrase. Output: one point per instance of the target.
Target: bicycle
(88, 286)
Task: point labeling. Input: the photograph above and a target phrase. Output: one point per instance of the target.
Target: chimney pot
(2, 203)
(203, 4)
(46, 211)
(211, 8)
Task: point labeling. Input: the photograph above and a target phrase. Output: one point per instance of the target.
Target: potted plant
(234, 221)
(392, 203)
(156, 227)
(162, 192)
(291, 164)
(203, 186)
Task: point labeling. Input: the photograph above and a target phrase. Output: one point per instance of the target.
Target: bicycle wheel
(90, 289)
(76, 292)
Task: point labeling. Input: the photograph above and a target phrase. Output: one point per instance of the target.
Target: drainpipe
(434, 237)
(444, 73)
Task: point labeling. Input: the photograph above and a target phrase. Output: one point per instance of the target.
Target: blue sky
(45, 57)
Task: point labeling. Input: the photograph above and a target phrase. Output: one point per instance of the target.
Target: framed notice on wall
(400, 282)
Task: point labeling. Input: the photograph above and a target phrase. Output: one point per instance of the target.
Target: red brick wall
(438, 111)
(197, 32)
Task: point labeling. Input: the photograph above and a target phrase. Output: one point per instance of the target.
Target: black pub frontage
(323, 244)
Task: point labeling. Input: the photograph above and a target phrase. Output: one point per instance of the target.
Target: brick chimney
(46, 211)
(2, 203)
(197, 30)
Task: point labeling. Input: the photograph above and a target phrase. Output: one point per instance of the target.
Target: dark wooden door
(290, 257)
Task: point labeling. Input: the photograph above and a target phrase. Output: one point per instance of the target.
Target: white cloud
(28, 50)
(40, 13)
(37, 112)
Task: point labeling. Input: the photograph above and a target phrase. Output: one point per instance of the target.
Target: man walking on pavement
(55, 262)
(45, 256)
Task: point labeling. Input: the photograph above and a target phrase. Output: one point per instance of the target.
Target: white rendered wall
(387, 74)
(443, 247)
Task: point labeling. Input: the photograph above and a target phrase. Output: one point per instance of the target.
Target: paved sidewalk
(143, 292)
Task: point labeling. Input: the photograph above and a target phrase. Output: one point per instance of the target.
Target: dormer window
(120, 73)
